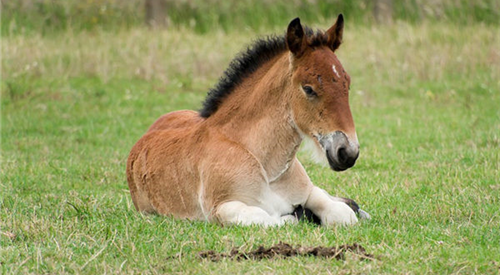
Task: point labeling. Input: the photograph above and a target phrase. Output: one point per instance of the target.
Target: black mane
(247, 61)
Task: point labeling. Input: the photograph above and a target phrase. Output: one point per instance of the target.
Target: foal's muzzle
(340, 151)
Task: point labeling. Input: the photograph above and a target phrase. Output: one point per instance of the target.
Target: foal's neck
(258, 115)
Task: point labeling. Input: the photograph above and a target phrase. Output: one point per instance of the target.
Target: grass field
(202, 16)
(425, 99)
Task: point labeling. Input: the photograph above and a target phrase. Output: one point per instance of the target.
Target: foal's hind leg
(237, 212)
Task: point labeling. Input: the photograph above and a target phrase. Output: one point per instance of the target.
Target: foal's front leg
(329, 209)
(353, 205)
(237, 212)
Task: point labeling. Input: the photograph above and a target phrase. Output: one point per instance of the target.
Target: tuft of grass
(425, 101)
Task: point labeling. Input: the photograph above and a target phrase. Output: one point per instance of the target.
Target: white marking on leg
(335, 71)
(237, 212)
(328, 210)
(291, 219)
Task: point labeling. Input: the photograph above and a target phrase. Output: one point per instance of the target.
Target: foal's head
(320, 95)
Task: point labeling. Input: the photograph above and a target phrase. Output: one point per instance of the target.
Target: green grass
(425, 100)
(54, 16)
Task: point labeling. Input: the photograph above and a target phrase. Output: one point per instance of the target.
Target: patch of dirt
(284, 250)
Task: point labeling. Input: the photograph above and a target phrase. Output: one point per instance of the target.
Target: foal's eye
(309, 91)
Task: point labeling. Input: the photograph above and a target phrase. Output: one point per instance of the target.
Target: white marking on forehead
(335, 71)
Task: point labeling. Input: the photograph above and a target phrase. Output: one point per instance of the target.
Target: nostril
(342, 155)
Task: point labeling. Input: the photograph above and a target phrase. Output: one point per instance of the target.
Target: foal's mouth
(342, 165)
(340, 152)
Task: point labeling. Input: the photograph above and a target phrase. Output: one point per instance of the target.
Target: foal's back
(159, 149)
(176, 120)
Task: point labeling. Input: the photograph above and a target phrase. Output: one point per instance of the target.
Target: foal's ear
(335, 33)
(295, 39)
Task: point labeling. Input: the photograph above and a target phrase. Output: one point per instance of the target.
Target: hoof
(363, 215)
(355, 207)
